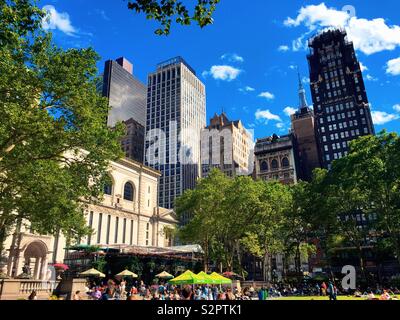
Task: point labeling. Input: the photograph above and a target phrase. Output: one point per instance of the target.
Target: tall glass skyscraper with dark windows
(126, 94)
(341, 106)
(176, 114)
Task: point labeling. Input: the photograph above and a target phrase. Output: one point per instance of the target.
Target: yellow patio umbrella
(220, 279)
(164, 275)
(188, 277)
(127, 273)
(93, 273)
(207, 278)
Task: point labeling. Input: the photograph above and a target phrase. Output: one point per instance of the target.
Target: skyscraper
(226, 145)
(303, 129)
(340, 100)
(176, 114)
(126, 94)
(133, 142)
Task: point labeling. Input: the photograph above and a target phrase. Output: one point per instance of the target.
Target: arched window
(108, 189)
(274, 164)
(128, 191)
(285, 163)
(264, 166)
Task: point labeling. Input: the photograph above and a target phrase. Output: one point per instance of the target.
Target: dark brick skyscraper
(340, 101)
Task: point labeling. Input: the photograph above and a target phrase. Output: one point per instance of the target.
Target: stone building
(303, 129)
(128, 215)
(133, 141)
(275, 159)
(226, 145)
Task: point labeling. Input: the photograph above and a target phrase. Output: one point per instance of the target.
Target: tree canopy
(49, 106)
(168, 11)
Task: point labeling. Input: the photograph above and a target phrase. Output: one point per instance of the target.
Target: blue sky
(247, 58)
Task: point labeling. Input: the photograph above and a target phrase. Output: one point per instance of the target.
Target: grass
(318, 298)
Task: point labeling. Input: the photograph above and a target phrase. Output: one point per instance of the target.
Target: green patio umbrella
(220, 279)
(188, 277)
(93, 273)
(207, 278)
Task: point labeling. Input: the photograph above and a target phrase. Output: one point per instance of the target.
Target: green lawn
(317, 298)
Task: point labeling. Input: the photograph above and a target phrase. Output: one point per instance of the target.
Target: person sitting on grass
(371, 296)
(385, 296)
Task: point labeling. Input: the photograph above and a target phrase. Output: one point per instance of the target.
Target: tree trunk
(205, 262)
(298, 259)
(267, 267)
(3, 236)
(362, 263)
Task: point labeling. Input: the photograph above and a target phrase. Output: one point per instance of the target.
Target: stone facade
(125, 216)
(226, 145)
(275, 159)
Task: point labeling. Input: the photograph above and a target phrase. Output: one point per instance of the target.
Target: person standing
(331, 291)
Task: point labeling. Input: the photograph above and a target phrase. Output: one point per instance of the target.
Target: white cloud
(58, 20)
(318, 15)
(280, 125)
(267, 95)
(247, 89)
(306, 80)
(381, 117)
(371, 78)
(368, 36)
(396, 107)
(363, 67)
(267, 116)
(393, 67)
(225, 73)
(283, 48)
(289, 111)
(232, 57)
(292, 67)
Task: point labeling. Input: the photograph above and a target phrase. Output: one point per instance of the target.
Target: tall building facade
(275, 159)
(226, 145)
(176, 114)
(126, 94)
(303, 129)
(340, 100)
(133, 141)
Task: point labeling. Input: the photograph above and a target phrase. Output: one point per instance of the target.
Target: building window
(108, 229)
(99, 228)
(90, 226)
(131, 237)
(264, 166)
(285, 163)
(124, 232)
(147, 233)
(274, 164)
(128, 191)
(108, 189)
(116, 230)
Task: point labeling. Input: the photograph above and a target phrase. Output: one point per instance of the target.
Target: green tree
(203, 205)
(167, 11)
(296, 229)
(265, 237)
(370, 174)
(50, 111)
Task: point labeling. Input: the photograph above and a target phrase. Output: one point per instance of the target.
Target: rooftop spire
(302, 93)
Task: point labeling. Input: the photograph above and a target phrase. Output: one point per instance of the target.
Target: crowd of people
(112, 290)
(138, 290)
